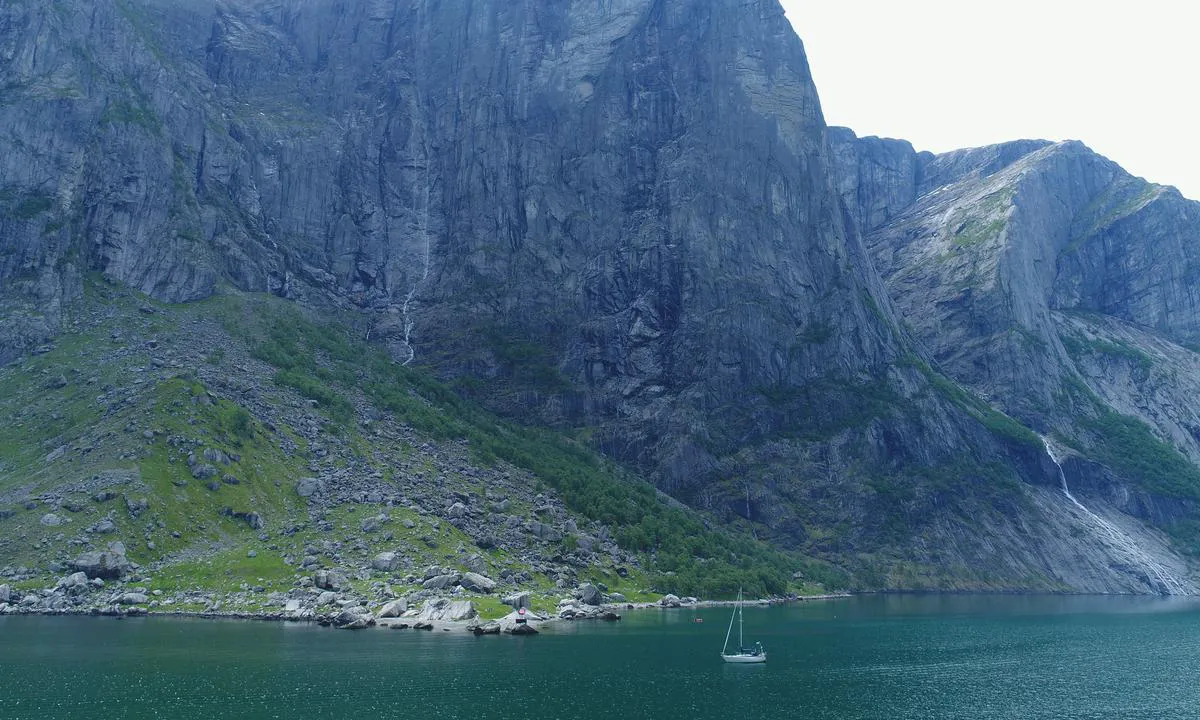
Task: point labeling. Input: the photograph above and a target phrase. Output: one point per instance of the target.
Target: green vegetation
(1079, 346)
(996, 422)
(977, 231)
(225, 570)
(528, 362)
(326, 364)
(1128, 446)
(829, 406)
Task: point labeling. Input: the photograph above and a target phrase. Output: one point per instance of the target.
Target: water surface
(895, 657)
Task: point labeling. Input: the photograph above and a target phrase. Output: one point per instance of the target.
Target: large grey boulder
(51, 520)
(132, 598)
(386, 561)
(518, 600)
(477, 583)
(309, 486)
(105, 565)
(590, 594)
(439, 582)
(6, 593)
(544, 531)
(74, 584)
(329, 579)
(393, 609)
(354, 618)
(441, 609)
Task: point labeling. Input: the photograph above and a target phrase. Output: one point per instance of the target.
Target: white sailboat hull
(760, 658)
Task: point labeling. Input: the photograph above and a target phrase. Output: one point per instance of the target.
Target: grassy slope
(122, 396)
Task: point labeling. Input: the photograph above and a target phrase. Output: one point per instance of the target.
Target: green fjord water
(896, 657)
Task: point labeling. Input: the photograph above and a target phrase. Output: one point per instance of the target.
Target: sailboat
(744, 654)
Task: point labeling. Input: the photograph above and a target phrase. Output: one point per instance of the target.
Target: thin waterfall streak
(423, 228)
(1118, 540)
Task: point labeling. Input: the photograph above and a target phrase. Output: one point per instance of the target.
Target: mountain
(624, 224)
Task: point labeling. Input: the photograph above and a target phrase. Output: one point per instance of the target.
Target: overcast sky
(1122, 77)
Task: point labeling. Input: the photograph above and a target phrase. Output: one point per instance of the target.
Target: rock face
(1047, 279)
(665, 307)
(628, 216)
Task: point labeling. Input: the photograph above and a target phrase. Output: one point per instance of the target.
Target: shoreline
(608, 612)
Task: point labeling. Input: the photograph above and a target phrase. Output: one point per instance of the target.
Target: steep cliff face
(620, 211)
(627, 220)
(1062, 289)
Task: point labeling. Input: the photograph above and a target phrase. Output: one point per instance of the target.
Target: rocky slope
(625, 221)
(1058, 287)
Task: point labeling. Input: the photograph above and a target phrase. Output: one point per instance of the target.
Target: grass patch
(226, 570)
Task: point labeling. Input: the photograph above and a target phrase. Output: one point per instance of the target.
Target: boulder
(456, 510)
(518, 600)
(105, 565)
(439, 582)
(105, 527)
(291, 605)
(355, 618)
(523, 629)
(309, 486)
(386, 561)
(545, 532)
(616, 597)
(51, 520)
(204, 472)
(326, 598)
(73, 584)
(132, 598)
(6, 593)
(447, 610)
(488, 628)
(590, 594)
(216, 456)
(669, 601)
(329, 579)
(477, 583)
(395, 608)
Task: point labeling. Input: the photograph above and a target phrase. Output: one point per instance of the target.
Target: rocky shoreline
(78, 595)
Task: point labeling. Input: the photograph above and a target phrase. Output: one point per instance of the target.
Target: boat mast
(729, 632)
(741, 642)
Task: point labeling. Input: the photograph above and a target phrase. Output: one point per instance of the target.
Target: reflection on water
(888, 656)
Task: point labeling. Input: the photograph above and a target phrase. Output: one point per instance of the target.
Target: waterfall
(1118, 541)
(418, 108)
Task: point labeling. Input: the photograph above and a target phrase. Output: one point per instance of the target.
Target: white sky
(943, 74)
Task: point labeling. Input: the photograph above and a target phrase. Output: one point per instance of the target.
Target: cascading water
(1118, 541)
